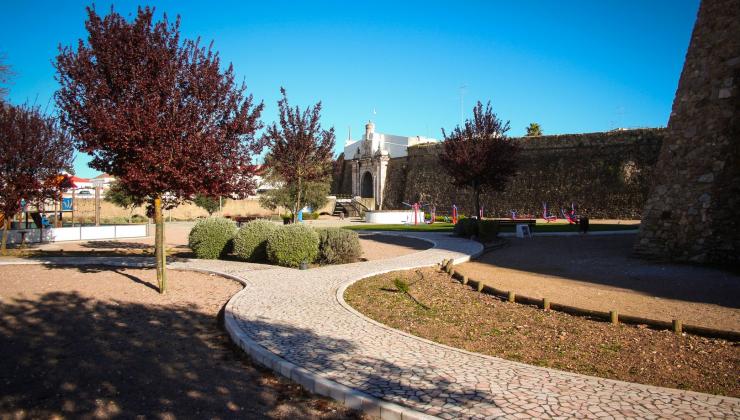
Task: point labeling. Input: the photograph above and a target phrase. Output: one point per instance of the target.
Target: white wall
(78, 233)
(395, 217)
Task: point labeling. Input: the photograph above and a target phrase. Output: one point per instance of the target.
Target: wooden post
(465, 280)
(511, 297)
(546, 304)
(677, 326)
(614, 317)
(452, 272)
(97, 205)
(480, 286)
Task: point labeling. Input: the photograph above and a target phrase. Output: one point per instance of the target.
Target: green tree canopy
(534, 130)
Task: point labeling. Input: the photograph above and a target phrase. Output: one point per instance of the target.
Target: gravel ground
(597, 272)
(460, 317)
(100, 343)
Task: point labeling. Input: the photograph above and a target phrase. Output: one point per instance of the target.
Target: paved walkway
(301, 317)
(297, 323)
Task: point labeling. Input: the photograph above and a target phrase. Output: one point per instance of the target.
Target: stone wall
(607, 175)
(693, 211)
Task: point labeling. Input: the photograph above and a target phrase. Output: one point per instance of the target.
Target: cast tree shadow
(67, 355)
(608, 261)
(410, 385)
(62, 354)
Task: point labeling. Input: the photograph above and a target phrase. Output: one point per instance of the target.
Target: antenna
(349, 133)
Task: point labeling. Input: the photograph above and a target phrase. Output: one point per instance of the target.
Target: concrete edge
(314, 382)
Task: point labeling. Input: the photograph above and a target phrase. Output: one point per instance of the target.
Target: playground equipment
(419, 207)
(570, 215)
(549, 217)
(516, 216)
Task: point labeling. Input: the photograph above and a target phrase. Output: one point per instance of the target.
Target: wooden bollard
(452, 272)
(677, 326)
(480, 286)
(511, 296)
(465, 280)
(546, 304)
(614, 317)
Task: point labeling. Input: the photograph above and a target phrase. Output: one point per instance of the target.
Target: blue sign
(66, 204)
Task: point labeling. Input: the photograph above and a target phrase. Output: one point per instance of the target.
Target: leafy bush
(488, 230)
(211, 238)
(466, 228)
(290, 245)
(250, 242)
(137, 218)
(338, 246)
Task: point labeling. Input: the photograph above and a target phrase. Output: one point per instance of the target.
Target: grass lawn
(447, 227)
(449, 313)
(422, 227)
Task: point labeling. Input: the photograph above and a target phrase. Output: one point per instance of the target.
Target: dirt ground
(102, 343)
(458, 316)
(597, 272)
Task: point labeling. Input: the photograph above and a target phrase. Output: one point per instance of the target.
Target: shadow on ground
(66, 355)
(62, 354)
(608, 261)
(334, 358)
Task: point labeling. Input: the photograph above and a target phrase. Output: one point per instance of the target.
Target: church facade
(369, 159)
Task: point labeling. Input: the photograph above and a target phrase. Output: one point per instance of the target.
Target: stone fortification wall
(606, 174)
(693, 213)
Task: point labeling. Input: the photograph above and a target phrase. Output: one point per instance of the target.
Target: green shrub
(250, 242)
(401, 285)
(290, 245)
(137, 218)
(338, 246)
(466, 228)
(211, 238)
(488, 230)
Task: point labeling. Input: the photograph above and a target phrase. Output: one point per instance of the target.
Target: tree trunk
(298, 201)
(6, 228)
(159, 251)
(131, 214)
(476, 194)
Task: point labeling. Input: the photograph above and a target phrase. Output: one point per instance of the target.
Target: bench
(514, 222)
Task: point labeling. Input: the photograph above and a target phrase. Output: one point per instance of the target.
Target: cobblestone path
(301, 317)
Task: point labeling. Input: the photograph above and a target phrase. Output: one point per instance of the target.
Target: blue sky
(573, 67)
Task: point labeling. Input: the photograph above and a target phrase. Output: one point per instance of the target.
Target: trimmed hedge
(466, 228)
(291, 245)
(484, 230)
(250, 242)
(338, 246)
(211, 238)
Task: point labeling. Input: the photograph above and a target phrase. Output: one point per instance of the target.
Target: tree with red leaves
(157, 113)
(479, 155)
(300, 150)
(34, 152)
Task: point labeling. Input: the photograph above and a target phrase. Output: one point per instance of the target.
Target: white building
(369, 160)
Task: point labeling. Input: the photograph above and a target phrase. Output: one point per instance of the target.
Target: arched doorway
(366, 186)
